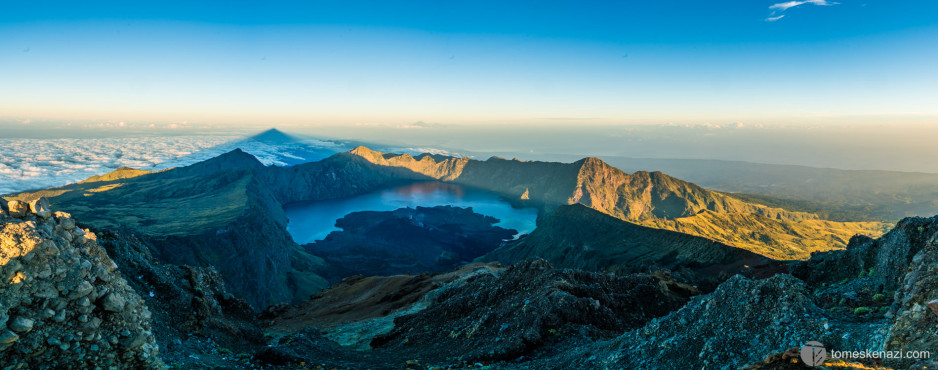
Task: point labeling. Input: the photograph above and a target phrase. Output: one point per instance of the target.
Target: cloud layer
(27, 164)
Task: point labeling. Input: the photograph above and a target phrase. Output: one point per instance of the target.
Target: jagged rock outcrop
(889, 256)
(190, 304)
(901, 268)
(63, 304)
(740, 323)
(916, 310)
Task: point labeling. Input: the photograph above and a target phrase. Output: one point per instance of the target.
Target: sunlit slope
(646, 198)
(778, 239)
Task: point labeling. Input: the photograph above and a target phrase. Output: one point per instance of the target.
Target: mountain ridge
(651, 199)
(216, 212)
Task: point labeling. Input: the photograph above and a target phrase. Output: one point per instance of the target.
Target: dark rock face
(407, 240)
(888, 256)
(531, 304)
(739, 323)
(914, 313)
(63, 304)
(184, 300)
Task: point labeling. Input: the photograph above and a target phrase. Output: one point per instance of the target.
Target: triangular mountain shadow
(271, 147)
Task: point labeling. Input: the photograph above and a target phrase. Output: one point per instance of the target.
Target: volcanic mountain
(227, 211)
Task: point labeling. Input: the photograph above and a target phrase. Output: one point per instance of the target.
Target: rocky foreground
(64, 303)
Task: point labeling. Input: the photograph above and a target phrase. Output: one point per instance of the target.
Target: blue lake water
(314, 220)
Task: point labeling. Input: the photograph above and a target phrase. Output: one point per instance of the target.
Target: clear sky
(277, 63)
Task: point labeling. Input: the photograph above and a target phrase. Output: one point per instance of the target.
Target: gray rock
(45, 272)
(83, 302)
(17, 208)
(112, 302)
(7, 336)
(59, 317)
(83, 289)
(65, 220)
(47, 292)
(135, 340)
(40, 207)
(10, 269)
(47, 314)
(20, 325)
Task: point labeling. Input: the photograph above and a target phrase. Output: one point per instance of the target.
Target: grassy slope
(777, 239)
(154, 205)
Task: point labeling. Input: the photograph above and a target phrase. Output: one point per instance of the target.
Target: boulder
(112, 302)
(40, 207)
(17, 208)
(7, 338)
(21, 325)
(65, 221)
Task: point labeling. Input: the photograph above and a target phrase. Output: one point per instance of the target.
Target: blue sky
(527, 63)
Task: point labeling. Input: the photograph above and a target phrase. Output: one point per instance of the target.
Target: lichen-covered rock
(63, 304)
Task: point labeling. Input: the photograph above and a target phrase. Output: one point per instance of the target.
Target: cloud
(27, 164)
(791, 4)
(781, 7)
(418, 124)
(403, 126)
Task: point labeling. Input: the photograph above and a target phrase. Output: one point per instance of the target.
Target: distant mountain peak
(235, 159)
(361, 149)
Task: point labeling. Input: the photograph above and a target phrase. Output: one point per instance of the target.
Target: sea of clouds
(28, 164)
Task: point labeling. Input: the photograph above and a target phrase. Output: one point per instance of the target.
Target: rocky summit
(63, 301)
